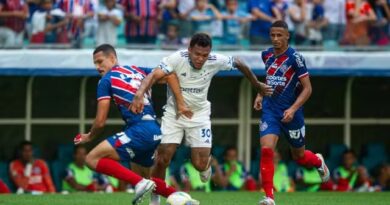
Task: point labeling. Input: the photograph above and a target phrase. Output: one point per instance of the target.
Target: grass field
(215, 198)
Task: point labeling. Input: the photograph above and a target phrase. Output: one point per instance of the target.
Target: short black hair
(24, 143)
(231, 147)
(106, 49)
(77, 147)
(201, 39)
(279, 24)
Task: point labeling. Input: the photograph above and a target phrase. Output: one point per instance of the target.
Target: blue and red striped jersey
(283, 74)
(121, 84)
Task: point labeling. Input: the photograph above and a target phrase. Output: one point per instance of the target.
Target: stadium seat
(334, 155)
(65, 152)
(217, 152)
(375, 149)
(255, 168)
(58, 168)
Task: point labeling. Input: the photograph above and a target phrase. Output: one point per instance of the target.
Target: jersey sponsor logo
(299, 60)
(276, 80)
(192, 90)
(283, 68)
(263, 126)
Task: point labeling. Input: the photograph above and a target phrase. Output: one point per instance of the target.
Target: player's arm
(103, 108)
(302, 98)
(182, 108)
(17, 176)
(138, 105)
(262, 88)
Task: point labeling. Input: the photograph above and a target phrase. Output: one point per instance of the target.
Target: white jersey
(194, 83)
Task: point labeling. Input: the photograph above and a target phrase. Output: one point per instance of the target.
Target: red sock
(113, 168)
(309, 160)
(267, 171)
(162, 188)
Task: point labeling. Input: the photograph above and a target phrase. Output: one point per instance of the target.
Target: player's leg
(269, 135)
(104, 159)
(199, 138)
(164, 155)
(295, 132)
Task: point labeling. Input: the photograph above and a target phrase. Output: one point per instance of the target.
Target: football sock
(267, 171)
(309, 160)
(162, 188)
(113, 168)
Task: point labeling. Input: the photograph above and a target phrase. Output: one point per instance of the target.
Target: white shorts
(196, 135)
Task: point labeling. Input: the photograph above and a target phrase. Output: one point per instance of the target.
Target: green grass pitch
(214, 198)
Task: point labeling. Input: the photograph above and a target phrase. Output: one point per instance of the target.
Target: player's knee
(91, 161)
(163, 160)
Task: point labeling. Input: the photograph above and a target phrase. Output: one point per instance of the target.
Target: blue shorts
(138, 142)
(294, 131)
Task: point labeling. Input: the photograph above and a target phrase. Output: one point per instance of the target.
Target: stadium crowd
(29, 174)
(171, 22)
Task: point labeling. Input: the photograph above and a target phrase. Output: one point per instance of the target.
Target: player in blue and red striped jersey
(138, 141)
(283, 111)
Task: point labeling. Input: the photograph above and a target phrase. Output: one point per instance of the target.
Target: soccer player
(195, 67)
(137, 143)
(283, 111)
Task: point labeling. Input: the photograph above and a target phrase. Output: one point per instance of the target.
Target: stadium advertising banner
(79, 62)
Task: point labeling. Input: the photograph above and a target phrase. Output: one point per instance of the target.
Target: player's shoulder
(180, 54)
(296, 56)
(40, 162)
(16, 163)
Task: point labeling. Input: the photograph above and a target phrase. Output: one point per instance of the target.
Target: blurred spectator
(202, 17)
(30, 175)
(279, 9)
(4, 188)
(282, 182)
(170, 179)
(307, 179)
(109, 18)
(169, 13)
(191, 179)
(296, 20)
(184, 8)
(262, 12)
(349, 176)
(382, 181)
(110, 184)
(48, 24)
(141, 20)
(234, 20)
(379, 31)
(78, 176)
(172, 37)
(359, 15)
(317, 23)
(233, 171)
(79, 11)
(335, 13)
(13, 15)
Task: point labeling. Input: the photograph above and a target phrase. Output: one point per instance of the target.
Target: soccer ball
(179, 198)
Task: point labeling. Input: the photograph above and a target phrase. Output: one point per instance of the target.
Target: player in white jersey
(194, 67)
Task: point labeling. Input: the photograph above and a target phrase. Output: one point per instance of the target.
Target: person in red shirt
(29, 174)
(13, 15)
(4, 188)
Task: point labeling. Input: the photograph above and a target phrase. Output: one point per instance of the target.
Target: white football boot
(323, 169)
(267, 201)
(143, 188)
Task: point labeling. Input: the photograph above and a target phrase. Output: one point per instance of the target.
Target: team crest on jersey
(283, 68)
(263, 126)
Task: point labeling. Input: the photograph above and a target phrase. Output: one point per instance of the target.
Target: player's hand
(82, 138)
(264, 89)
(288, 115)
(137, 106)
(184, 110)
(258, 104)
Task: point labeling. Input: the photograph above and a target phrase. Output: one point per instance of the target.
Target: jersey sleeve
(168, 64)
(104, 89)
(224, 62)
(300, 65)
(146, 70)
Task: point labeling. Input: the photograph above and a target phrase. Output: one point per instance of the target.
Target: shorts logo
(131, 152)
(157, 137)
(263, 126)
